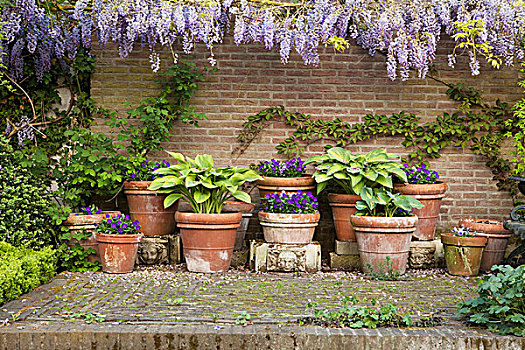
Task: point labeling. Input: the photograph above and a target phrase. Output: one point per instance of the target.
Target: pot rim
(493, 227)
(359, 221)
(208, 219)
(439, 188)
(85, 219)
(289, 217)
(299, 181)
(335, 199)
(448, 238)
(114, 238)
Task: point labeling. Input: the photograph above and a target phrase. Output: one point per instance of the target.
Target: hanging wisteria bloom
(407, 31)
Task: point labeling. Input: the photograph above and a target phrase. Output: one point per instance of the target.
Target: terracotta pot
(148, 208)
(246, 209)
(118, 252)
(268, 185)
(343, 207)
(80, 222)
(288, 228)
(497, 239)
(463, 254)
(208, 239)
(382, 237)
(430, 196)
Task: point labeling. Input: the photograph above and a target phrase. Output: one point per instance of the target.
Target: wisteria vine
(407, 31)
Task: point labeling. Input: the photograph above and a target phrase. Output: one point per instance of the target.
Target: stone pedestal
(155, 250)
(239, 257)
(423, 254)
(285, 257)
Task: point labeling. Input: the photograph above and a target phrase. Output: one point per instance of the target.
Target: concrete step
(152, 336)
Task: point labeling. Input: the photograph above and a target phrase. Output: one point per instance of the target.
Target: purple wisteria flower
(118, 225)
(291, 203)
(275, 168)
(420, 174)
(143, 170)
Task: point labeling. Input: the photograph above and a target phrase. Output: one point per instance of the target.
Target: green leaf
(242, 196)
(172, 198)
(201, 197)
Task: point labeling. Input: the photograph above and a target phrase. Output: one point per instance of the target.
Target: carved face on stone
(287, 260)
(152, 253)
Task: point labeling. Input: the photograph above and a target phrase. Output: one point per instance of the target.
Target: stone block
(175, 249)
(239, 258)
(153, 250)
(425, 254)
(346, 248)
(345, 262)
(285, 257)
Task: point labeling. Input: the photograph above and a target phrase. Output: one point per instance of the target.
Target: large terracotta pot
(497, 239)
(382, 237)
(268, 185)
(430, 196)
(148, 208)
(208, 239)
(78, 222)
(118, 252)
(288, 228)
(246, 210)
(463, 254)
(343, 207)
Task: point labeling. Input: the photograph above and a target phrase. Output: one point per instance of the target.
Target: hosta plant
(357, 173)
(386, 203)
(501, 303)
(204, 187)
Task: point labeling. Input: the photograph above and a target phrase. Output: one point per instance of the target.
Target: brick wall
(349, 86)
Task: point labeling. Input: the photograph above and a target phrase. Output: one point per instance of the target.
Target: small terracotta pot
(343, 207)
(208, 239)
(382, 237)
(288, 228)
(148, 208)
(246, 209)
(497, 240)
(430, 195)
(268, 185)
(118, 252)
(76, 223)
(463, 254)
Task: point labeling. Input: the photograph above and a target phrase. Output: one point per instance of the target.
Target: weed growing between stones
(243, 319)
(354, 316)
(88, 317)
(385, 272)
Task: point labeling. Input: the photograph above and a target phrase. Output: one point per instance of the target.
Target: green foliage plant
(355, 316)
(203, 186)
(385, 203)
(500, 306)
(75, 258)
(357, 174)
(516, 132)
(22, 269)
(384, 271)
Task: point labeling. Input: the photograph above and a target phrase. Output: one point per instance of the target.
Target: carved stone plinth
(285, 257)
(423, 254)
(159, 250)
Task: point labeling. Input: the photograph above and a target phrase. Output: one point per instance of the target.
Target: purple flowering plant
(89, 210)
(420, 174)
(139, 169)
(275, 168)
(463, 232)
(118, 225)
(291, 203)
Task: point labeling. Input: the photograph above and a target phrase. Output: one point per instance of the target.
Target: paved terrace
(170, 308)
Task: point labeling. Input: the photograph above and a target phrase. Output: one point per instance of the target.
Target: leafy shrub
(501, 303)
(22, 269)
(23, 202)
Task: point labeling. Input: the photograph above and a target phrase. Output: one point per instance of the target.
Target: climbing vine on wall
(476, 125)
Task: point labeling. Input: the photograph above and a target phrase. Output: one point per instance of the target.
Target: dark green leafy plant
(383, 202)
(355, 316)
(501, 303)
(75, 258)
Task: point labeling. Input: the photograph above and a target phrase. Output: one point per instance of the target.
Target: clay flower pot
(430, 195)
(343, 207)
(118, 252)
(148, 208)
(246, 210)
(463, 254)
(76, 223)
(380, 237)
(208, 239)
(288, 228)
(269, 184)
(497, 239)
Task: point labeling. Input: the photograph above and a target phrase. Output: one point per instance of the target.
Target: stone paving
(168, 305)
